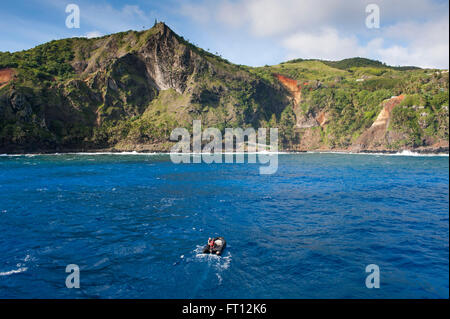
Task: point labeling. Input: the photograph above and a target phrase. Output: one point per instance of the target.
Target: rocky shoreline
(127, 92)
(142, 150)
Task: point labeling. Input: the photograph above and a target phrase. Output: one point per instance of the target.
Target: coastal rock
(129, 90)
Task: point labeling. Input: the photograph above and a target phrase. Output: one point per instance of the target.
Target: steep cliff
(378, 136)
(127, 91)
(364, 105)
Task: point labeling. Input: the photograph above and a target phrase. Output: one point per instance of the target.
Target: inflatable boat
(219, 245)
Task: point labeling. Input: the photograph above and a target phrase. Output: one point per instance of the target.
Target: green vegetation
(43, 62)
(406, 121)
(132, 88)
(351, 92)
(347, 64)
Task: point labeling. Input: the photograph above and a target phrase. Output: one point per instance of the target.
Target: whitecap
(14, 271)
(219, 277)
(401, 153)
(219, 262)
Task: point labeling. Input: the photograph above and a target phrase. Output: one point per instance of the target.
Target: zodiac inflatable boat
(217, 248)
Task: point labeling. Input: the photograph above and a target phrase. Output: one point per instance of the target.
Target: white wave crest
(218, 262)
(410, 153)
(401, 153)
(15, 271)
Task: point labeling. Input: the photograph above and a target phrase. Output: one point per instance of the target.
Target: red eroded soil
(5, 76)
(322, 119)
(393, 102)
(388, 106)
(375, 136)
(292, 85)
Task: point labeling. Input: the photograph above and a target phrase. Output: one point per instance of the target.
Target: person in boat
(211, 244)
(214, 245)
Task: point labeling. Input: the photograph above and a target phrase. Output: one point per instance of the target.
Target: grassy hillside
(129, 90)
(351, 92)
(126, 90)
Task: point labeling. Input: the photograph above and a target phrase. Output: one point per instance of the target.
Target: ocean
(135, 225)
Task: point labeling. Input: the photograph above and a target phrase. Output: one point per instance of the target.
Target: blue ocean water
(135, 225)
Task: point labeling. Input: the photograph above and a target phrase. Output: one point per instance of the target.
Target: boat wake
(20, 268)
(15, 271)
(218, 264)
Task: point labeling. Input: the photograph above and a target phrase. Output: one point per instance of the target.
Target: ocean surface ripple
(135, 226)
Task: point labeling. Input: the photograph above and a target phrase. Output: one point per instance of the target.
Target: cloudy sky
(251, 32)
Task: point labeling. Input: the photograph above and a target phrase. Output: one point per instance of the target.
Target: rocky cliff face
(127, 91)
(378, 135)
(321, 116)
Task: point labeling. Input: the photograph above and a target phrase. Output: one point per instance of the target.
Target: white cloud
(196, 12)
(233, 14)
(275, 17)
(426, 45)
(413, 32)
(326, 44)
(110, 19)
(107, 18)
(427, 57)
(93, 34)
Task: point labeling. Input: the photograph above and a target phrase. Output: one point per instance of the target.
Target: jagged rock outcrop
(127, 91)
(131, 89)
(306, 121)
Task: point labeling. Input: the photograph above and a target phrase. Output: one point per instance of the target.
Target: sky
(251, 32)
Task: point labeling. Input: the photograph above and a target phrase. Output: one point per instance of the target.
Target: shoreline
(406, 152)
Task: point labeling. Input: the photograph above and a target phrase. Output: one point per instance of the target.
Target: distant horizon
(252, 32)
